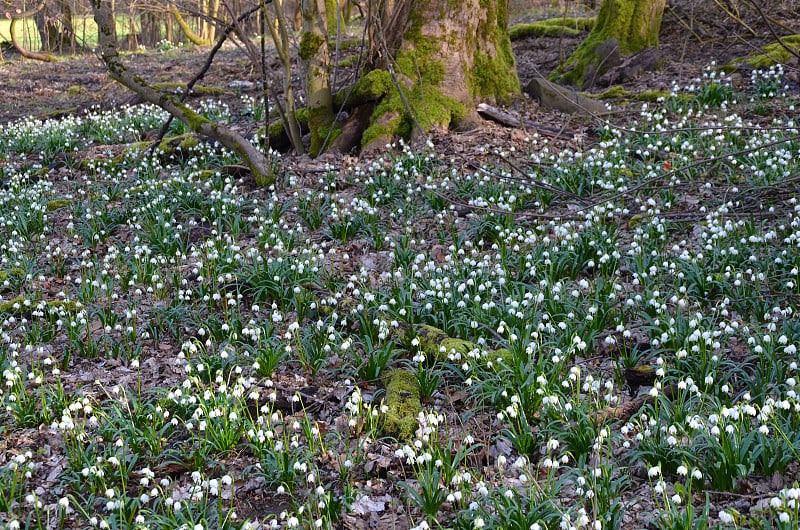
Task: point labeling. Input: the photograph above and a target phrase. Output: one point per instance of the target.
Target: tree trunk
(316, 59)
(151, 28)
(445, 56)
(54, 26)
(623, 27)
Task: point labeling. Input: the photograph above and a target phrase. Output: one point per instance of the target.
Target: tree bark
(623, 27)
(107, 48)
(446, 55)
(316, 59)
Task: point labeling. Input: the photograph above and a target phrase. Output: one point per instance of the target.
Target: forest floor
(499, 330)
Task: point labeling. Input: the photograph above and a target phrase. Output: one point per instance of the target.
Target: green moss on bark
(402, 400)
(430, 107)
(370, 87)
(552, 27)
(436, 344)
(310, 44)
(424, 62)
(624, 20)
(494, 76)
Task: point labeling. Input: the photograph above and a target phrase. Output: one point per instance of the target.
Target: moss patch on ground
(14, 273)
(56, 204)
(771, 54)
(17, 305)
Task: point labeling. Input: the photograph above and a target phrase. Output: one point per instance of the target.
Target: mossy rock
(57, 204)
(553, 27)
(771, 55)
(403, 403)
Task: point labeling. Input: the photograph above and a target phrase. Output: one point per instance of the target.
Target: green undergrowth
(602, 337)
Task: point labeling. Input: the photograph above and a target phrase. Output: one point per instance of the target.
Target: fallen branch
(45, 57)
(107, 45)
(625, 411)
(509, 120)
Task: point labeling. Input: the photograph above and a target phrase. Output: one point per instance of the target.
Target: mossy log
(618, 92)
(553, 96)
(552, 27)
(403, 403)
(402, 388)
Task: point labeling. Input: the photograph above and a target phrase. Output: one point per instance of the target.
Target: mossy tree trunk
(623, 27)
(316, 60)
(443, 55)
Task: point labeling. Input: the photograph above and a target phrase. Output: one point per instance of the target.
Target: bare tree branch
(107, 49)
(16, 17)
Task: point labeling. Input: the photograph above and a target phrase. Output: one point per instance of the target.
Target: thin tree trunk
(316, 60)
(280, 37)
